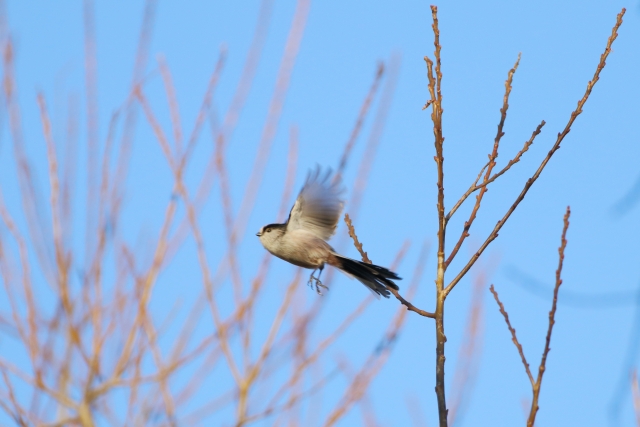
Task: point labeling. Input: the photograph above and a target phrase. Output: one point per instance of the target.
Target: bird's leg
(311, 279)
(316, 280)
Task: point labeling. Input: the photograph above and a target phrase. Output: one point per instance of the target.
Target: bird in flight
(302, 239)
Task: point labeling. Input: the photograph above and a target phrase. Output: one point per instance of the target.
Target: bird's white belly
(303, 249)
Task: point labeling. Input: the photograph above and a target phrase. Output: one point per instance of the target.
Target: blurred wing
(318, 206)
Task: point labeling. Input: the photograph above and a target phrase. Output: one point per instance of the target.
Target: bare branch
(494, 234)
(490, 165)
(364, 109)
(365, 258)
(514, 338)
(635, 390)
(537, 383)
(475, 186)
(552, 314)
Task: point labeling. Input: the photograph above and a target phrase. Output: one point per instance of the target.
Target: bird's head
(270, 233)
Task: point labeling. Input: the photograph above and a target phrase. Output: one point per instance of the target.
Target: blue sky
(595, 172)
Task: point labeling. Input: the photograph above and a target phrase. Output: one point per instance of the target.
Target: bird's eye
(267, 230)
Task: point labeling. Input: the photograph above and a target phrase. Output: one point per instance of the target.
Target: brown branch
(468, 359)
(514, 338)
(356, 242)
(360, 381)
(375, 135)
(283, 79)
(362, 115)
(552, 314)
(173, 104)
(436, 117)
(489, 168)
(475, 186)
(635, 390)
(494, 234)
(536, 385)
(516, 158)
(92, 116)
(365, 258)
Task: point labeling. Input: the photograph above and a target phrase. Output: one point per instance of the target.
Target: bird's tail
(372, 276)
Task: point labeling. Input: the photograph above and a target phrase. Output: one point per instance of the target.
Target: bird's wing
(318, 206)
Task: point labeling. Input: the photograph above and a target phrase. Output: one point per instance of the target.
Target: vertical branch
(173, 105)
(537, 383)
(469, 354)
(364, 109)
(490, 165)
(635, 390)
(294, 40)
(91, 83)
(207, 179)
(69, 173)
(435, 82)
(361, 380)
(552, 315)
(379, 122)
(246, 310)
(130, 116)
(31, 203)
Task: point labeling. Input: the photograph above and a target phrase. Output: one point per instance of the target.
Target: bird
(313, 219)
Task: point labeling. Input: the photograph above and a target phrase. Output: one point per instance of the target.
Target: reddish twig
(489, 168)
(362, 115)
(365, 258)
(537, 383)
(468, 359)
(514, 338)
(552, 315)
(379, 122)
(494, 234)
(635, 390)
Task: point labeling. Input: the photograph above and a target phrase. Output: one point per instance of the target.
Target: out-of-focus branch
(361, 380)
(362, 115)
(365, 258)
(468, 359)
(635, 391)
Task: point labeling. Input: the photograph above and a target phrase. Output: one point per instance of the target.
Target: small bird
(302, 240)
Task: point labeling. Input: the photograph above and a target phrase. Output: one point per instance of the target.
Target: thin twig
(552, 315)
(494, 234)
(362, 115)
(475, 186)
(537, 383)
(635, 390)
(492, 162)
(514, 338)
(365, 258)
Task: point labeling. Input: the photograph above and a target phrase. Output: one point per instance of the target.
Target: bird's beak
(258, 234)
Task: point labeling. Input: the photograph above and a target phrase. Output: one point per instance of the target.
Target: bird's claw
(315, 282)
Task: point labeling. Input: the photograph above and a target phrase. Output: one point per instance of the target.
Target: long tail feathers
(372, 276)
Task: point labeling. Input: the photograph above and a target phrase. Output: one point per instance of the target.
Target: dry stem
(365, 258)
(537, 383)
(494, 234)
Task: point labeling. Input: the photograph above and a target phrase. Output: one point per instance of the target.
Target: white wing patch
(318, 206)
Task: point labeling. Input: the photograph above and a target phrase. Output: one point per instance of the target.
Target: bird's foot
(315, 282)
